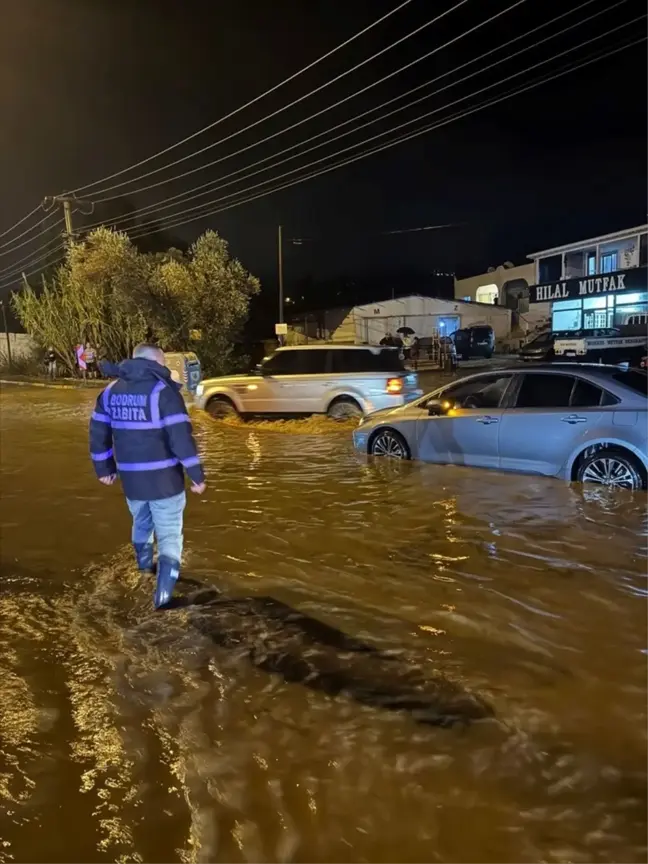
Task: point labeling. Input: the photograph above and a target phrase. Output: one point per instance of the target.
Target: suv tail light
(394, 385)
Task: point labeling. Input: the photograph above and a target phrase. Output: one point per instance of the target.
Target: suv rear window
(635, 379)
(363, 360)
(481, 334)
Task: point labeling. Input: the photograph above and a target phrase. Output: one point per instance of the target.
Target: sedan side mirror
(438, 407)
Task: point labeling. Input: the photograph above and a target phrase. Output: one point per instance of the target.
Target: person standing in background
(408, 341)
(50, 359)
(80, 359)
(415, 352)
(90, 357)
(140, 429)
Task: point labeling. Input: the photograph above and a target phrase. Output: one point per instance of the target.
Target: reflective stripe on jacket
(141, 430)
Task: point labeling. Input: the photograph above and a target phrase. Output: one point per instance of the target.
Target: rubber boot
(168, 571)
(144, 556)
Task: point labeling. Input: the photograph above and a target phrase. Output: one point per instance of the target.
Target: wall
(628, 252)
(499, 318)
(537, 317)
(468, 287)
(22, 347)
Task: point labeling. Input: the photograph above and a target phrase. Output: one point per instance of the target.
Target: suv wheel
(386, 442)
(220, 407)
(344, 409)
(612, 467)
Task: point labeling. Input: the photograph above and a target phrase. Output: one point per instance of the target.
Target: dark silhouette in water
(302, 650)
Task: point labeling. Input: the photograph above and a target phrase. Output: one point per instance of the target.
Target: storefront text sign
(634, 279)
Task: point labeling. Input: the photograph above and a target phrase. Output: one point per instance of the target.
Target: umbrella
(406, 331)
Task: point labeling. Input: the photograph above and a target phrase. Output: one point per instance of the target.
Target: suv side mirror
(438, 407)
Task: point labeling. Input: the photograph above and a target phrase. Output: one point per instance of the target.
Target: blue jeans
(162, 518)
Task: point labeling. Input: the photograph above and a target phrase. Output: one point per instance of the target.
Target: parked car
(478, 341)
(342, 381)
(575, 421)
(539, 349)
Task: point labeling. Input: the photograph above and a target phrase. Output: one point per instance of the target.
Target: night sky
(88, 87)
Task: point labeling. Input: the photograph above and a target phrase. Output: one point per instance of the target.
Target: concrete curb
(48, 386)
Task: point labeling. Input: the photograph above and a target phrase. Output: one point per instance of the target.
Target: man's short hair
(149, 352)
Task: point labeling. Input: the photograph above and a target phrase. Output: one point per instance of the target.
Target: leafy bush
(111, 295)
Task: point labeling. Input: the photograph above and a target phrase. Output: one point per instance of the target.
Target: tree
(109, 293)
(200, 301)
(91, 298)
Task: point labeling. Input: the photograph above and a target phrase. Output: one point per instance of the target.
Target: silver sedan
(580, 422)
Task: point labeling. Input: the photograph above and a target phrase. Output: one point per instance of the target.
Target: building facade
(426, 316)
(496, 285)
(507, 285)
(595, 284)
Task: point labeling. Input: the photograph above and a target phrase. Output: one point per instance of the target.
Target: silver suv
(343, 381)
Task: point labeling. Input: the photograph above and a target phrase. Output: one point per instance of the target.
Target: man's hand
(109, 480)
(198, 488)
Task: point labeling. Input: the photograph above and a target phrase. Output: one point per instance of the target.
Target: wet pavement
(129, 735)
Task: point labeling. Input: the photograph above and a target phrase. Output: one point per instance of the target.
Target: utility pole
(86, 207)
(280, 263)
(281, 286)
(294, 241)
(67, 212)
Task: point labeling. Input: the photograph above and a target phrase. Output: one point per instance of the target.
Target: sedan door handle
(574, 418)
(486, 421)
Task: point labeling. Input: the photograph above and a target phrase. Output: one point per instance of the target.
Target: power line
(20, 221)
(422, 228)
(247, 104)
(389, 144)
(330, 108)
(278, 111)
(11, 278)
(185, 197)
(299, 241)
(572, 68)
(35, 237)
(28, 260)
(27, 231)
(174, 216)
(408, 122)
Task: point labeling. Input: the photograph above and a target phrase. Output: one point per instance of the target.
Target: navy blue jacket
(141, 430)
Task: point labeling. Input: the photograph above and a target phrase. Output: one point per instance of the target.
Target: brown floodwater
(129, 735)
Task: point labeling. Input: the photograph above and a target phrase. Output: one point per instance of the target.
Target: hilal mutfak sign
(634, 279)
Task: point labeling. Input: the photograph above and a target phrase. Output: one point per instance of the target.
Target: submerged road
(234, 729)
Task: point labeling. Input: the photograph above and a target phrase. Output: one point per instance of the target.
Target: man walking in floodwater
(140, 430)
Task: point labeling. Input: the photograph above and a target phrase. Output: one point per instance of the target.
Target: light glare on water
(127, 735)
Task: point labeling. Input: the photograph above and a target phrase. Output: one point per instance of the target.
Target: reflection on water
(134, 736)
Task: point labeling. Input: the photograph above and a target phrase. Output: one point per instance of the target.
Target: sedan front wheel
(389, 443)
